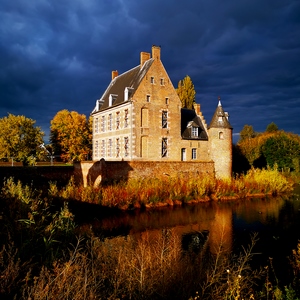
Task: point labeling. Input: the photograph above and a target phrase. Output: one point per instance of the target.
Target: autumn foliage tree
(186, 92)
(19, 138)
(272, 147)
(71, 135)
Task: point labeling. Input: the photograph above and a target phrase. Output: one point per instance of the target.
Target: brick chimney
(156, 52)
(144, 57)
(197, 108)
(114, 74)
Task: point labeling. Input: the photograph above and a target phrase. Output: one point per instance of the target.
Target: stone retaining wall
(92, 173)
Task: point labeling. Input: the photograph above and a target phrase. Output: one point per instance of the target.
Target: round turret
(220, 143)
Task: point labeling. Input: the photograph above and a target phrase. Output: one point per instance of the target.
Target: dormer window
(194, 131)
(112, 99)
(127, 93)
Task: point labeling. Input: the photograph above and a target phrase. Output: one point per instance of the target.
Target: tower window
(221, 135)
(164, 147)
(164, 119)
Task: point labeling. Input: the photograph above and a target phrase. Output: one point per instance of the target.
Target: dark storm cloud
(60, 54)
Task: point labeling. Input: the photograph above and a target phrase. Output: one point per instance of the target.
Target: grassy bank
(176, 191)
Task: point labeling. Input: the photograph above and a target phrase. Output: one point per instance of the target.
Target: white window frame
(195, 131)
(126, 146)
(110, 122)
(194, 153)
(103, 124)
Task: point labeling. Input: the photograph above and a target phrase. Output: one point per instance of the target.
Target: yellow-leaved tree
(71, 136)
(186, 92)
(19, 138)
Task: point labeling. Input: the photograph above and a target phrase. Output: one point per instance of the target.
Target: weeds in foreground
(38, 261)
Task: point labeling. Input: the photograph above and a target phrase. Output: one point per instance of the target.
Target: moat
(275, 220)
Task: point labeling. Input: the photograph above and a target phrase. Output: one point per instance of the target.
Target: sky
(57, 55)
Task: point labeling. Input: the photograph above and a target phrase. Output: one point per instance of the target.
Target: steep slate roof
(219, 119)
(131, 79)
(189, 117)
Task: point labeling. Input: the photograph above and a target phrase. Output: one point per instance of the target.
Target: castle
(139, 118)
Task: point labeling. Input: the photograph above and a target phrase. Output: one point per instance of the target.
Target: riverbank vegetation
(167, 191)
(44, 255)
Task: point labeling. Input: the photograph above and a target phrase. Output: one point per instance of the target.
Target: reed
(171, 190)
(42, 257)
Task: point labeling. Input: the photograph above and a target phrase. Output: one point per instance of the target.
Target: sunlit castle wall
(220, 149)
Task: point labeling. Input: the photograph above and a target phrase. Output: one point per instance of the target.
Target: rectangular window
(164, 119)
(167, 101)
(103, 123)
(103, 148)
(164, 147)
(96, 125)
(117, 147)
(194, 153)
(110, 122)
(96, 149)
(110, 147)
(148, 98)
(126, 146)
(194, 131)
(126, 118)
(152, 80)
(162, 82)
(117, 120)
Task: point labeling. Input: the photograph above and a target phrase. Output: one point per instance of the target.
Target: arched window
(221, 135)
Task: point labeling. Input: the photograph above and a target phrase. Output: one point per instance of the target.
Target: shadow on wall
(95, 173)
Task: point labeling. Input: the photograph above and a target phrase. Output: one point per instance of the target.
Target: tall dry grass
(41, 258)
(168, 190)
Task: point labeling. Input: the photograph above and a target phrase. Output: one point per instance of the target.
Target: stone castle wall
(93, 173)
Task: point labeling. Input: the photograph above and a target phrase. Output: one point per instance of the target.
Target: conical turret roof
(220, 118)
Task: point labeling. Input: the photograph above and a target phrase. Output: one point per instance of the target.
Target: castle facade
(139, 118)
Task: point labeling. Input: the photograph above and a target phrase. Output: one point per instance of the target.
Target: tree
(247, 133)
(186, 92)
(19, 138)
(272, 127)
(282, 149)
(71, 135)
